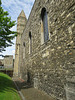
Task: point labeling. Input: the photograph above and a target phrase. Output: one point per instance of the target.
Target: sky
(14, 7)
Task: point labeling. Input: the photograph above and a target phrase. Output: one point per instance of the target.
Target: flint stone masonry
(54, 60)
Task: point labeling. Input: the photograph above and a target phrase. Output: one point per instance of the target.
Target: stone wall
(8, 61)
(1, 61)
(50, 63)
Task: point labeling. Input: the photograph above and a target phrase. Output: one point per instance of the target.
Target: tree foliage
(6, 35)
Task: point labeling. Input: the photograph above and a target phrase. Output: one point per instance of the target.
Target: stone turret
(21, 23)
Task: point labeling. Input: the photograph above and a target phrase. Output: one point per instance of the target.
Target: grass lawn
(7, 88)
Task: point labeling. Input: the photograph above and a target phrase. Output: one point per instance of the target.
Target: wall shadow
(8, 72)
(6, 84)
(23, 85)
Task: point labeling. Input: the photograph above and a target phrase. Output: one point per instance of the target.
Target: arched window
(30, 43)
(44, 25)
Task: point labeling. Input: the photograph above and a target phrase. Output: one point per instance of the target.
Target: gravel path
(29, 93)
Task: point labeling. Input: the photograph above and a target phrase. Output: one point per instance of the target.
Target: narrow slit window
(23, 50)
(30, 43)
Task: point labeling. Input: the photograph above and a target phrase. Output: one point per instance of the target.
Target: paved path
(29, 93)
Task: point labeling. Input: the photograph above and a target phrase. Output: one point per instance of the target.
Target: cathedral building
(45, 47)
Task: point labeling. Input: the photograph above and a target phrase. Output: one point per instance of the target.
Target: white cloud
(14, 8)
(13, 51)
